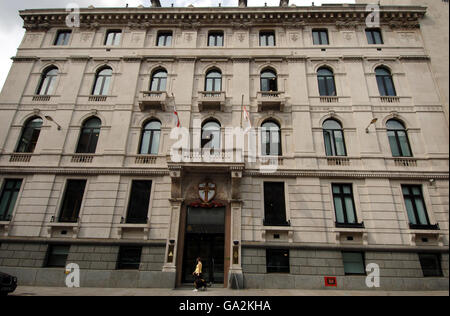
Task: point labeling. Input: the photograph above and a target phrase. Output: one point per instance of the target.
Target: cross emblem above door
(207, 191)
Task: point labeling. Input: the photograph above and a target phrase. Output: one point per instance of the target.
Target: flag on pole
(176, 112)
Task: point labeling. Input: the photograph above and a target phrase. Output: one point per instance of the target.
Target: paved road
(57, 291)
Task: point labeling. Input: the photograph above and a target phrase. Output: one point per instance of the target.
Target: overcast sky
(11, 31)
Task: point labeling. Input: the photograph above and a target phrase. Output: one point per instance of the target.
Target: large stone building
(350, 166)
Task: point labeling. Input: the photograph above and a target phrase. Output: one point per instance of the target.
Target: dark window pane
(274, 204)
(8, 198)
(320, 37)
(150, 138)
(415, 205)
(164, 39)
(267, 39)
(113, 38)
(270, 139)
(129, 258)
(215, 39)
(344, 204)
(87, 144)
(30, 136)
(62, 38)
(73, 198)
(277, 261)
(139, 202)
(354, 263)
(431, 265)
(211, 136)
(57, 256)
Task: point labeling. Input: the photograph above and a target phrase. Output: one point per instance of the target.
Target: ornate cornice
(238, 18)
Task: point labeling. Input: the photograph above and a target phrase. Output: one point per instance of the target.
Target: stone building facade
(358, 134)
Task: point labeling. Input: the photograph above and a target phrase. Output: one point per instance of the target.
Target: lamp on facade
(372, 122)
(49, 118)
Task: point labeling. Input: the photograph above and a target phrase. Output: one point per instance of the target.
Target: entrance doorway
(205, 238)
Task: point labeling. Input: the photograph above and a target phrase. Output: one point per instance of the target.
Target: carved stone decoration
(294, 37)
(241, 25)
(241, 37)
(207, 191)
(404, 24)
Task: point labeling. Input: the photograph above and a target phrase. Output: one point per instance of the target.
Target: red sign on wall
(330, 281)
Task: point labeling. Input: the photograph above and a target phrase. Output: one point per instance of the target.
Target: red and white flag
(176, 114)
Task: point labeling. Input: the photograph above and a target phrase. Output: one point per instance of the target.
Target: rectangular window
(431, 264)
(344, 205)
(113, 37)
(320, 37)
(129, 258)
(215, 39)
(62, 38)
(277, 261)
(374, 36)
(354, 263)
(139, 202)
(274, 204)
(8, 198)
(164, 39)
(267, 38)
(57, 256)
(73, 197)
(415, 207)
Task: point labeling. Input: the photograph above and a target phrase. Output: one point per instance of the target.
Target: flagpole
(242, 109)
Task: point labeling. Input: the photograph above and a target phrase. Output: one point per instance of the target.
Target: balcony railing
(271, 100)
(145, 160)
(82, 158)
(390, 99)
(97, 98)
(41, 98)
(338, 161)
(152, 100)
(405, 162)
(18, 157)
(211, 100)
(329, 99)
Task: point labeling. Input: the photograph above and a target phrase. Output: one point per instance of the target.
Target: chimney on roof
(242, 3)
(156, 4)
(284, 3)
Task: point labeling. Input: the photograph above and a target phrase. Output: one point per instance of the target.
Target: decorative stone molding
(238, 17)
(24, 59)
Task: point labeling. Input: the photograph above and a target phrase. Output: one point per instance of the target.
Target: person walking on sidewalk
(199, 282)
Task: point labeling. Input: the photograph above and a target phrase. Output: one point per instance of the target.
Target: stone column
(170, 261)
(236, 279)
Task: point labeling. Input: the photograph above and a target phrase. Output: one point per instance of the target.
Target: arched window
(327, 86)
(211, 135)
(159, 80)
(213, 81)
(271, 139)
(334, 138)
(150, 138)
(269, 80)
(102, 81)
(48, 81)
(398, 139)
(90, 133)
(30, 135)
(385, 82)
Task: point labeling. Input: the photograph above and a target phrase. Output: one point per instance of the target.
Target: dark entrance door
(205, 238)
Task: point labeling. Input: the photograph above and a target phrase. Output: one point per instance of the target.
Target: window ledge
(350, 226)
(54, 228)
(422, 228)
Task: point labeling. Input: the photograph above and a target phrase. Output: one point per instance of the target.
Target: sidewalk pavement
(58, 291)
